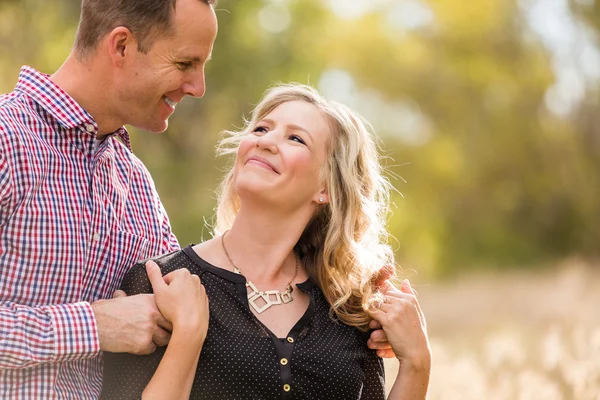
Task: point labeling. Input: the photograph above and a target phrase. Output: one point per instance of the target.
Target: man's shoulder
(16, 111)
(14, 105)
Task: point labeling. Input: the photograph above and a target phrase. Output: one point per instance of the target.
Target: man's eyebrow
(195, 59)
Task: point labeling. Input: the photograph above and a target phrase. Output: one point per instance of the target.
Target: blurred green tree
(456, 91)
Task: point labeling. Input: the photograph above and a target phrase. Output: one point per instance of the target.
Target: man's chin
(155, 127)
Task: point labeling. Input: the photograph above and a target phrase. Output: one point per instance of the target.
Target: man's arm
(30, 336)
(33, 335)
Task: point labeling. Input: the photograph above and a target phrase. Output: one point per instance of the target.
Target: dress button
(89, 128)
(284, 361)
(287, 387)
(290, 339)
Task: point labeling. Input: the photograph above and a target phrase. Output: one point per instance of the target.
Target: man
(77, 208)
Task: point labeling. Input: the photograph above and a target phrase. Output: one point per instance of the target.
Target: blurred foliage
(456, 91)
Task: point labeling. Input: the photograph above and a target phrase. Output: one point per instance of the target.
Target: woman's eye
(297, 138)
(260, 129)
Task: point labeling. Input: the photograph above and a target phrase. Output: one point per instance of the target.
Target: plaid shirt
(75, 214)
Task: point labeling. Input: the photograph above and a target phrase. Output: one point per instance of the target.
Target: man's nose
(195, 86)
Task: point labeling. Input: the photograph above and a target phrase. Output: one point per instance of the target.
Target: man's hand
(130, 324)
(379, 341)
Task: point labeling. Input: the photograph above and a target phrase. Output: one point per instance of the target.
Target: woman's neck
(261, 244)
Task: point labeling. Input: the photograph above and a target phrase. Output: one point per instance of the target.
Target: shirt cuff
(75, 332)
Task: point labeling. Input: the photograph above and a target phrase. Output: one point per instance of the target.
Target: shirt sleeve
(169, 240)
(35, 335)
(374, 385)
(5, 188)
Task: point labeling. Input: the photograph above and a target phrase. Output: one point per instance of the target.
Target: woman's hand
(405, 327)
(181, 299)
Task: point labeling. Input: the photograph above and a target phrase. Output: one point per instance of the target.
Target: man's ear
(121, 44)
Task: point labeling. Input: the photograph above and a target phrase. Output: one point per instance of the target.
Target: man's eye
(184, 65)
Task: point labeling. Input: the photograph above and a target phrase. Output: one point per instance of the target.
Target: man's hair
(148, 20)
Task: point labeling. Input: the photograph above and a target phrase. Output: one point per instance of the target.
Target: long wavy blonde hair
(343, 247)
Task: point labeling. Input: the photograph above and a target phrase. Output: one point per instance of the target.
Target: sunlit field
(513, 335)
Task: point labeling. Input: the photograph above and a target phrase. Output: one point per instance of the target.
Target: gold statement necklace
(270, 297)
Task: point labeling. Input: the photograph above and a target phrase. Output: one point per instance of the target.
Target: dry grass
(524, 336)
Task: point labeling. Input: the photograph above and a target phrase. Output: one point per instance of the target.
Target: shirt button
(287, 387)
(96, 237)
(89, 128)
(290, 339)
(284, 361)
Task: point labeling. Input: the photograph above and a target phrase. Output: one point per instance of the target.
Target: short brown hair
(148, 20)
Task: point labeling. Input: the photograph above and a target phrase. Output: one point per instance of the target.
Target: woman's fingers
(406, 288)
(155, 276)
(383, 275)
(405, 293)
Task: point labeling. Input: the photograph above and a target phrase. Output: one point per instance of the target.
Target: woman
(289, 274)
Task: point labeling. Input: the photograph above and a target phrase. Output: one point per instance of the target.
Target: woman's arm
(182, 300)
(405, 328)
(411, 382)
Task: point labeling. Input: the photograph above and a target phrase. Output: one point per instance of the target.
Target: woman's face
(280, 160)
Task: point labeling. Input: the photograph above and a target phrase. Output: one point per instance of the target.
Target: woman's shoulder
(136, 279)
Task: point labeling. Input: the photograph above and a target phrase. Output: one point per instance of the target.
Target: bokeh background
(488, 117)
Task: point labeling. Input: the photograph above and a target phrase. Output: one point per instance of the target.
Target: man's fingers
(155, 276)
(119, 293)
(164, 323)
(386, 353)
(379, 336)
(148, 350)
(378, 345)
(374, 324)
(161, 337)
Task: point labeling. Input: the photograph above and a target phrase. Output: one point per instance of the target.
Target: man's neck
(83, 82)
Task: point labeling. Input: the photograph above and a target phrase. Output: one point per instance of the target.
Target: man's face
(154, 83)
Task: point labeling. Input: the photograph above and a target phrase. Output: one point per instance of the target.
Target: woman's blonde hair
(343, 247)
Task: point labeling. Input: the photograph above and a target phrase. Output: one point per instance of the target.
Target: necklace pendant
(286, 297)
(276, 294)
(254, 289)
(259, 295)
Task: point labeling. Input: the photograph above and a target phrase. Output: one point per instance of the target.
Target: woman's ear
(322, 197)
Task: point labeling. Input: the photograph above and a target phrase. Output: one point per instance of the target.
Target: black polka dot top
(242, 359)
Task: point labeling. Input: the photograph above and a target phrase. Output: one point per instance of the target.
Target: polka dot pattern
(241, 359)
